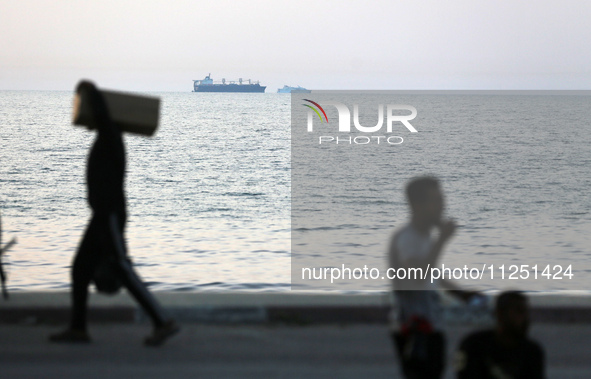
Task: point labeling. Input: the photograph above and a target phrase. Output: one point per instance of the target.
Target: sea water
(515, 169)
(209, 195)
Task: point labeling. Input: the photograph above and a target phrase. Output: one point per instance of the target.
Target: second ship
(208, 85)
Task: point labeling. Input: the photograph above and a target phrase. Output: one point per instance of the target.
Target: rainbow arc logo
(316, 110)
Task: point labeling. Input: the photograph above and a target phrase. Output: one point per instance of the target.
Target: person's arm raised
(446, 231)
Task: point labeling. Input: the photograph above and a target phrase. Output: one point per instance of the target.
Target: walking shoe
(161, 334)
(70, 336)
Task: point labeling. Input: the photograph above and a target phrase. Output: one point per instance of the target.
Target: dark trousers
(421, 355)
(104, 235)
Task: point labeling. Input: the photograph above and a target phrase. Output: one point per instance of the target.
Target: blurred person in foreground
(503, 352)
(103, 239)
(418, 333)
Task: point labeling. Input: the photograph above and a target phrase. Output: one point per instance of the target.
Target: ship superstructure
(208, 85)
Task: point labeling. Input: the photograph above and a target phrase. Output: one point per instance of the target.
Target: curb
(61, 315)
(270, 308)
(295, 315)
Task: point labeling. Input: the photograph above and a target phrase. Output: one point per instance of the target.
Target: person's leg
(429, 364)
(164, 326)
(437, 353)
(408, 366)
(85, 262)
(138, 290)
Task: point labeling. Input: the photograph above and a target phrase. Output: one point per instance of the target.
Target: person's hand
(447, 228)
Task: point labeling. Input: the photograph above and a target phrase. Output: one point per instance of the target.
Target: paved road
(202, 351)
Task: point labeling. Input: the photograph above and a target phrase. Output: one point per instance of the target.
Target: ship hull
(248, 88)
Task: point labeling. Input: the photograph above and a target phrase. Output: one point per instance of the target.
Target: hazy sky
(162, 45)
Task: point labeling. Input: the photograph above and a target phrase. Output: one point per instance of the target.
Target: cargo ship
(208, 85)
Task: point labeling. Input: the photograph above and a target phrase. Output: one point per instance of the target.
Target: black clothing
(106, 171)
(98, 240)
(481, 356)
(421, 355)
(104, 234)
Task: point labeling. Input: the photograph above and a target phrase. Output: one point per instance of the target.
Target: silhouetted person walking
(103, 238)
(505, 351)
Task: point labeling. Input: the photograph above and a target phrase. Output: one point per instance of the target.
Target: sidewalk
(248, 351)
(256, 335)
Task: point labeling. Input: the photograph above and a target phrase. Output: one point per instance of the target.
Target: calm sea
(209, 194)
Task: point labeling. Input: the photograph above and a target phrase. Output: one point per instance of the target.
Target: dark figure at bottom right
(505, 352)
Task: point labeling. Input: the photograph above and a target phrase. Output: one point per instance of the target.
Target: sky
(153, 45)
